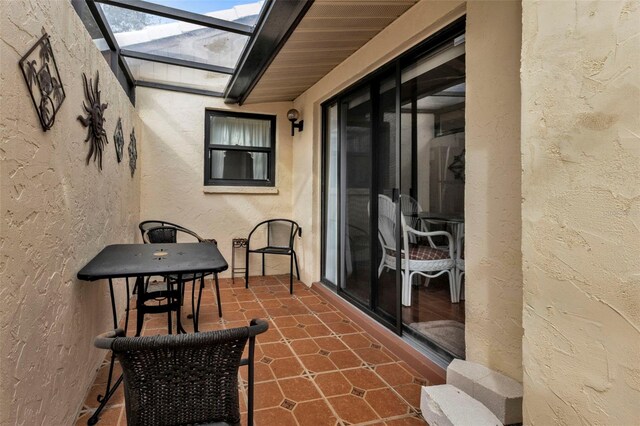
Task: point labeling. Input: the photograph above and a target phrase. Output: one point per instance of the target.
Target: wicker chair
(460, 266)
(184, 379)
(425, 260)
(279, 237)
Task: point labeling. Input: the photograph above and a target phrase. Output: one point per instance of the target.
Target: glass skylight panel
(147, 33)
(241, 11)
(156, 72)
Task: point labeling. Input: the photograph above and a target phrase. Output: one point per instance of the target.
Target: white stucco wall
(56, 213)
(581, 212)
(493, 259)
(173, 173)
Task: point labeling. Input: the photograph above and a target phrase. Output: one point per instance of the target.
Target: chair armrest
(433, 234)
(105, 340)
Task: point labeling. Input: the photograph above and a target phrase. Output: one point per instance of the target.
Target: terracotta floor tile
(345, 359)
(286, 367)
(299, 389)
(304, 347)
(317, 330)
(356, 341)
(394, 374)
(330, 344)
(274, 416)
(352, 409)
(329, 317)
(407, 421)
(300, 380)
(317, 363)
(363, 378)
(261, 372)
(288, 321)
(333, 384)
(373, 356)
(411, 393)
(314, 413)
(276, 350)
(267, 395)
(386, 403)
(294, 333)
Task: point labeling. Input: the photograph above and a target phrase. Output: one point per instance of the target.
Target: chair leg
(246, 268)
(452, 287)
(252, 342)
(291, 274)
(218, 295)
(406, 289)
(295, 259)
(263, 264)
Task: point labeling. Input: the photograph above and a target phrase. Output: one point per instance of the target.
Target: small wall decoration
(133, 152)
(457, 166)
(94, 121)
(118, 140)
(41, 74)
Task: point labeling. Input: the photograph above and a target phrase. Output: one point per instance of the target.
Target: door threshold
(428, 363)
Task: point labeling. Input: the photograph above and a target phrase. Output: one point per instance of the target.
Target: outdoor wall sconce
(293, 116)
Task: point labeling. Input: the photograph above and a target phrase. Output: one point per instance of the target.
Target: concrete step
(499, 393)
(446, 405)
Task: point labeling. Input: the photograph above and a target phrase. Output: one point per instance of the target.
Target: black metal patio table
(141, 260)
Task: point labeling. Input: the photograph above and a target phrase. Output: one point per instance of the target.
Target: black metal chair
(184, 379)
(161, 231)
(279, 235)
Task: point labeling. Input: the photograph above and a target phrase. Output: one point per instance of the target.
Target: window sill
(240, 190)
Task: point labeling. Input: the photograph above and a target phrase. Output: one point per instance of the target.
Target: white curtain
(241, 132)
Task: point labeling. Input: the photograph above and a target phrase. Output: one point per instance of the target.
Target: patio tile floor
(314, 366)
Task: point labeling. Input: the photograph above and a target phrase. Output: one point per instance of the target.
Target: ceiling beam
(181, 15)
(175, 61)
(172, 88)
(276, 24)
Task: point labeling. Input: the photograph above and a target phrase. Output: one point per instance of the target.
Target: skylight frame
(177, 15)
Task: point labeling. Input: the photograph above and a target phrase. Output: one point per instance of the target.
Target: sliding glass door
(394, 159)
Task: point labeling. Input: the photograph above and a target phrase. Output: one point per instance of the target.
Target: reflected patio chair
(424, 260)
(187, 378)
(279, 237)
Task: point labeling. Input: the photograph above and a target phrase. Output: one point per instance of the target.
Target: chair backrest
(166, 234)
(148, 224)
(280, 233)
(183, 379)
(387, 221)
(410, 209)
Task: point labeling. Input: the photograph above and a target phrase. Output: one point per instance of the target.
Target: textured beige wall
(581, 212)
(56, 213)
(412, 27)
(173, 172)
(493, 280)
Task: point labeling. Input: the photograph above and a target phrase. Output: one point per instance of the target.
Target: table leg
(179, 327)
(110, 390)
(140, 299)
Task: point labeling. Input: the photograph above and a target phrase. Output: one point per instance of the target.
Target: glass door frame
(430, 45)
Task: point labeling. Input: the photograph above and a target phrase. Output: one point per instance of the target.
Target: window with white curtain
(239, 149)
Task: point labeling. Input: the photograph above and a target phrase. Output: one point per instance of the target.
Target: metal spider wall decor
(133, 152)
(41, 74)
(457, 166)
(94, 120)
(118, 140)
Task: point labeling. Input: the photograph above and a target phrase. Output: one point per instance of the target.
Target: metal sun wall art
(41, 74)
(94, 120)
(133, 152)
(118, 140)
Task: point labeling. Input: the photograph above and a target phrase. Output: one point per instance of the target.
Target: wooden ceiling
(327, 35)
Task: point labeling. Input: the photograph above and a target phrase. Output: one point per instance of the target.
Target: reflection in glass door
(356, 145)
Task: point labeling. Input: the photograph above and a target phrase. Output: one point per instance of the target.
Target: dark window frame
(270, 151)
